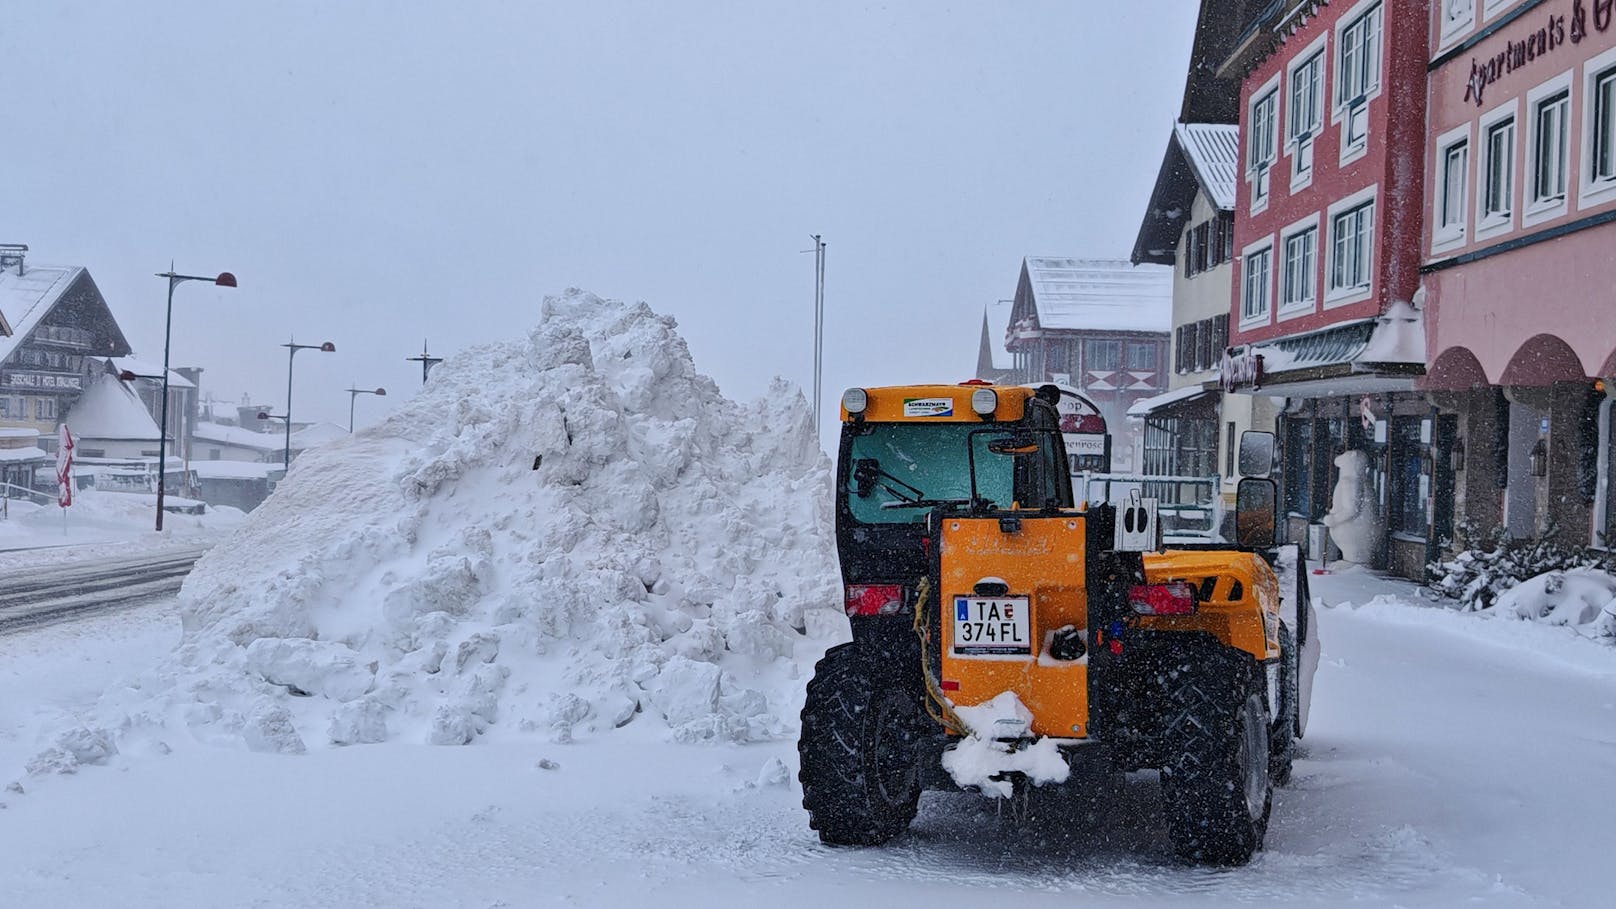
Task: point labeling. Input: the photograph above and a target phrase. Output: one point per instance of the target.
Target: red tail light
(1177, 598)
(874, 599)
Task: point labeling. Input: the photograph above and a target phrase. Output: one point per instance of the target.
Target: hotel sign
(1549, 37)
(1237, 369)
(41, 381)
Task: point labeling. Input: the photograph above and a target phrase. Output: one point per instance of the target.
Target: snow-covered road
(1450, 760)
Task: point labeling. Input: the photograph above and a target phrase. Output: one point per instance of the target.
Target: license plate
(992, 625)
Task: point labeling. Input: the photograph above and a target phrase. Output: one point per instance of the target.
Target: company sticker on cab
(928, 407)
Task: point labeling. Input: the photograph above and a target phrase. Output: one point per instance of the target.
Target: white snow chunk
(980, 757)
(1582, 598)
(272, 730)
(75, 747)
(324, 668)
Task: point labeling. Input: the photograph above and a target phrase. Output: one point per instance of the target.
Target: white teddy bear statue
(1354, 518)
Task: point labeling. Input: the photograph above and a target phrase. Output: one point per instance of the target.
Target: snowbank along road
(59, 592)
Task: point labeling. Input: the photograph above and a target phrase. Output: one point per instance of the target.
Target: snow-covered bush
(1488, 564)
(1581, 598)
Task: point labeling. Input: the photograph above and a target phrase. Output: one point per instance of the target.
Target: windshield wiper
(867, 474)
(925, 503)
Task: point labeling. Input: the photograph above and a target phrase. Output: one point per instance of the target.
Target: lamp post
(353, 395)
(292, 347)
(222, 279)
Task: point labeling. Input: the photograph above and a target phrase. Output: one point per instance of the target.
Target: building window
(1351, 236)
(1453, 167)
(1297, 288)
(1306, 114)
(1549, 149)
(44, 408)
(1254, 293)
(1358, 73)
(1603, 159)
(1297, 476)
(1457, 17)
(1261, 151)
(1102, 356)
(1410, 476)
(1142, 356)
(1498, 188)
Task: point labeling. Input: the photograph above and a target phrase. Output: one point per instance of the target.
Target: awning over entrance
(1386, 353)
(1144, 407)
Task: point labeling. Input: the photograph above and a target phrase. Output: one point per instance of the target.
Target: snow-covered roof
(316, 433)
(1213, 150)
(110, 410)
(143, 368)
(998, 321)
(17, 455)
(1146, 406)
(1099, 294)
(26, 298)
(238, 436)
(234, 470)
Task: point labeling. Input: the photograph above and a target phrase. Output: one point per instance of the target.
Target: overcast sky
(376, 173)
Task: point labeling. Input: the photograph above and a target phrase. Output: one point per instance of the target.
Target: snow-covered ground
(100, 524)
(541, 638)
(1451, 759)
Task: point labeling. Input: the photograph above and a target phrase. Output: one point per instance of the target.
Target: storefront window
(1298, 479)
(1410, 476)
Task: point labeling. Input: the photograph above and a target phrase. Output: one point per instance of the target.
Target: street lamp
(353, 395)
(222, 279)
(292, 347)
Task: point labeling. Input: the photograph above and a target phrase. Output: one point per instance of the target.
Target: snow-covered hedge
(1580, 598)
(559, 535)
(1490, 563)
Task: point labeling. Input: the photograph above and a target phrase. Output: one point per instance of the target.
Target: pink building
(1328, 230)
(1520, 257)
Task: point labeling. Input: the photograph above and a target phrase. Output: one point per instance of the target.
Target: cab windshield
(894, 473)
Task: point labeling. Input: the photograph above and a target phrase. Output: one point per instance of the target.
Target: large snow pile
(560, 535)
(1581, 598)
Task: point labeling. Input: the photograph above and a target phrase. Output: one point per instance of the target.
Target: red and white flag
(64, 466)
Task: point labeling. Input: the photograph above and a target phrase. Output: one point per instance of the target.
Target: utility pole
(426, 360)
(819, 323)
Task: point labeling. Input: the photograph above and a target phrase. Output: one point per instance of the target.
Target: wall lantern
(1540, 459)
(1456, 455)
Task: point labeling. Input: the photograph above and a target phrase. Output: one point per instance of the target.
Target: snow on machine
(1005, 637)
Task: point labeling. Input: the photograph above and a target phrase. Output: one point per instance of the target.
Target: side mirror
(1019, 444)
(1256, 511)
(1256, 453)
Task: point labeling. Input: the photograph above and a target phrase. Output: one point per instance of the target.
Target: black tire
(859, 752)
(1215, 780)
(1282, 734)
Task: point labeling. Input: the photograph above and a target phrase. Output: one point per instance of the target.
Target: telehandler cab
(992, 613)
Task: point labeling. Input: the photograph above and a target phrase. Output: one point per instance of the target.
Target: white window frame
(1452, 26)
(1491, 8)
(1264, 247)
(1301, 139)
(1590, 189)
(1348, 111)
(1343, 296)
(1290, 310)
(1536, 211)
(1444, 234)
(1493, 224)
(1259, 174)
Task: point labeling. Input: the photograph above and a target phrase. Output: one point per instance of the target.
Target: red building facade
(1328, 228)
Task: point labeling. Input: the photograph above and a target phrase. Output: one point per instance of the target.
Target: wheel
(859, 751)
(1282, 734)
(1215, 780)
